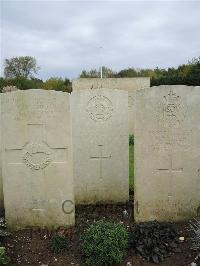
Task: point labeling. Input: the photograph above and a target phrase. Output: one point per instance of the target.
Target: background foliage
(20, 71)
(21, 66)
(188, 74)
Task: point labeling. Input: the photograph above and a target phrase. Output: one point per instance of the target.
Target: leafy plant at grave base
(4, 259)
(104, 243)
(58, 243)
(131, 140)
(154, 241)
(195, 238)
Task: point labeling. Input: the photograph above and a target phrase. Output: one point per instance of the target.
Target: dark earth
(30, 247)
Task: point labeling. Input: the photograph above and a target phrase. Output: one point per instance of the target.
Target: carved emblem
(99, 108)
(37, 156)
(173, 109)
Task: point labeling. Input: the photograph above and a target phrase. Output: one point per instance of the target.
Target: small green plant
(4, 259)
(104, 243)
(131, 140)
(58, 243)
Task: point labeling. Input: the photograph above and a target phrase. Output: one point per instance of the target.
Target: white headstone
(37, 159)
(167, 153)
(100, 141)
(127, 84)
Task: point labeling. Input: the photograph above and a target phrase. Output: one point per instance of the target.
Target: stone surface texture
(37, 159)
(127, 84)
(100, 141)
(167, 153)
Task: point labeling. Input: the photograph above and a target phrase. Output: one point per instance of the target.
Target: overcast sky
(65, 36)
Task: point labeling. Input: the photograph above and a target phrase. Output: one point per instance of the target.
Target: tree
(22, 66)
(188, 74)
(57, 84)
(94, 73)
(21, 83)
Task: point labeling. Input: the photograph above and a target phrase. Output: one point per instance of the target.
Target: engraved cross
(171, 171)
(36, 142)
(36, 154)
(100, 157)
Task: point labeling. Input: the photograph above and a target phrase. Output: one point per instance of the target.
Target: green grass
(131, 166)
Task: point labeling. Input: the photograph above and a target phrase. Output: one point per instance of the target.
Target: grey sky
(65, 36)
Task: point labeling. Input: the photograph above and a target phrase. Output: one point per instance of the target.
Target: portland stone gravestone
(167, 153)
(37, 159)
(127, 84)
(100, 141)
(4, 90)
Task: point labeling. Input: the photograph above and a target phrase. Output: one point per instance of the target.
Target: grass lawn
(131, 166)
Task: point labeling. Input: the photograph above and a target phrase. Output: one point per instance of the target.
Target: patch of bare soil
(30, 247)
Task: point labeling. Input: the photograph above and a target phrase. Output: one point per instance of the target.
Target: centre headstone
(167, 153)
(37, 159)
(100, 141)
